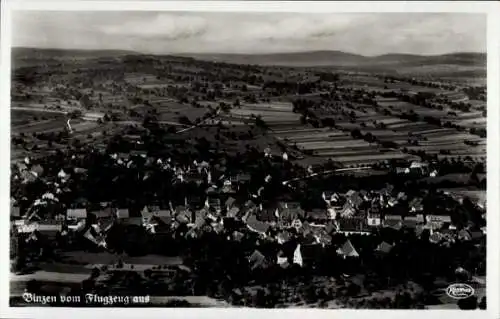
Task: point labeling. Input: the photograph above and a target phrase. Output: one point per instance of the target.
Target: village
(201, 183)
(206, 204)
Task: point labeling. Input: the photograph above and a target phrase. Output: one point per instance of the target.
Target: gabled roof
(132, 221)
(393, 217)
(233, 212)
(347, 250)
(267, 215)
(230, 201)
(384, 247)
(347, 210)
(162, 213)
(291, 213)
(15, 211)
(257, 226)
(353, 225)
(393, 222)
(257, 260)
(439, 218)
(76, 213)
(350, 193)
(38, 169)
(317, 214)
(103, 213)
(122, 213)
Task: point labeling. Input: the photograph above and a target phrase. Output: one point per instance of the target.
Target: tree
(185, 120)
(259, 122)
(355, 133)
(95, 273)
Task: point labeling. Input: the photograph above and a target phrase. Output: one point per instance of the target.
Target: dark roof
(311, 252)
(384, 247)
(291, 213)
(15, 211)
(103, 213)
(353, 224)
(317, 214)
(257, 225)
(410, 223)
(230, 201)
(267, 215)
(257, 260)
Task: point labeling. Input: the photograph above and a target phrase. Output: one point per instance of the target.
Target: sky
(211, 32)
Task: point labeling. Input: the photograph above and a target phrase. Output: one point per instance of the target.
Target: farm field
(270, 113)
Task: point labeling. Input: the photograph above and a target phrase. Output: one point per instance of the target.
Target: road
(326, 172)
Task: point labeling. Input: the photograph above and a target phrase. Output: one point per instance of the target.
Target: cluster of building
(220, 210)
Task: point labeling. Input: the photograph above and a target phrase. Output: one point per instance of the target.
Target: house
(233, 212)
(289, 205)
(132, 221)
(384, 248)
(402, 170)
(409, 223)
(417, 164)
(268, 214)
(230, 203)
(296, 223)
(393, 221)
(257, 226)
(437, 221)
(348, 211)
(330, 196)
(282, 260)
(350, 226)
(215, 204)
(469, 235)
(15, 211)
(374, 219)
(249, 204)
(182, 214)
(103, 226)
(416, 205)
(413, 221)
(310, 253)
(37, 169)
(283, 237)
(387, 190)
(331, 213)
(76, 213)
(354, 199)
(122, 213)
(317, 215)
(21, 167)
(257, 260)
(347, 250)
(105, 213)
(287, 215)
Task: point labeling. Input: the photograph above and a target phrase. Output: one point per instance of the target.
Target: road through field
(325, 173)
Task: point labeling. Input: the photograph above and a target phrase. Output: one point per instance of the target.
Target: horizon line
(251, 53)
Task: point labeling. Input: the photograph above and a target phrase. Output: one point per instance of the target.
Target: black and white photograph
(246, 159)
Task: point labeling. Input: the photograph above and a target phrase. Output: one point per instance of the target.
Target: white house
(374, 219)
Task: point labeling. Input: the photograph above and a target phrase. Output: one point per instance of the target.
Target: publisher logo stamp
(459, 291)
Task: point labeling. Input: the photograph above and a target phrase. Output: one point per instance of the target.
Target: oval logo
(459, 291)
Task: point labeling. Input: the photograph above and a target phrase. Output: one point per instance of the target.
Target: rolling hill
(343, 59)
